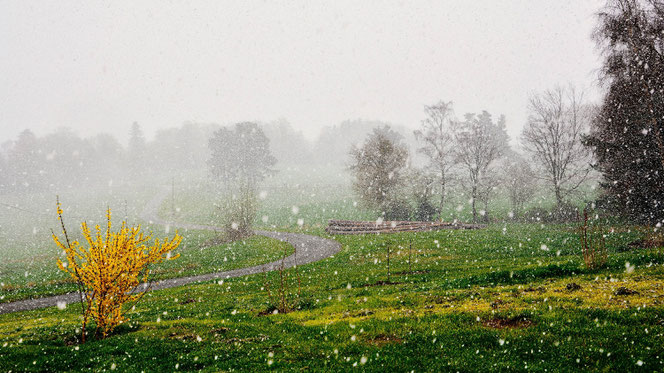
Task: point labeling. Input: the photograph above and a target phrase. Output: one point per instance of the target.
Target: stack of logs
(379, 226)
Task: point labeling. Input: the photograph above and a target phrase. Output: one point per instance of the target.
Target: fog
(115, 100)
(100, 66)
(330, 185)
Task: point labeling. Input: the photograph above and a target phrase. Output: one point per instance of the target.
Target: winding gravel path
(308, 249)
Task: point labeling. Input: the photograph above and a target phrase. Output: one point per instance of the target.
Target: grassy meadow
(510, 297)
(28, 255)
(485, 300)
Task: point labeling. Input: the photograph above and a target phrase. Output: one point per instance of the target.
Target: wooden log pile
(382, 227)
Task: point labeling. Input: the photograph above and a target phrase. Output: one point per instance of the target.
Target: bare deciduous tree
(488, 185)
(240, 159)
(480, 142)
(556, 123)
(378, 168)
(241, 154)
(437, 141)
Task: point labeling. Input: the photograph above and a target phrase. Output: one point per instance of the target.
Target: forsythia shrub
(109, 268)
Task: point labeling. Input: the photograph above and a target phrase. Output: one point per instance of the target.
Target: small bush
(593, 245)
(564, 213)
(537, 214)
(109, 268)
(558, 214)
(283, 299)
(424, 211)
(397, 209)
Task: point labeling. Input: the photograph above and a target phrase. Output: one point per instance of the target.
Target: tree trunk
(515, 209)
(473, 198)
(442, 194)
(559, 197)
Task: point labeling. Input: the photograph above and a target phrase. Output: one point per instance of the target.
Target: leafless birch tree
(437, 141)
(479, 143)
(556, 123)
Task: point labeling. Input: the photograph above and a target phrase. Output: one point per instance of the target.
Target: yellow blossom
(110, 266)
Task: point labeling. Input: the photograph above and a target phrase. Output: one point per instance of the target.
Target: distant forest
(63, 159)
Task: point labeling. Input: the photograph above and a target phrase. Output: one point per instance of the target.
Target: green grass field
(485, 300)
(510, 297)
(28, 255)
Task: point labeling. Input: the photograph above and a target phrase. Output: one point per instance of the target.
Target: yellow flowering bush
(109, 267)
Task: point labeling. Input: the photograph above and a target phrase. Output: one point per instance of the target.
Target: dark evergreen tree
(628, 133)
(136, 150)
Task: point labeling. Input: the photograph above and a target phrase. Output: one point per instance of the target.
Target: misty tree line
(473, 156)
(63, 159)
(564, 138)
(411, 175)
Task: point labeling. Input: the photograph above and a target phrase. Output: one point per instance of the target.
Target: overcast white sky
(98, 66)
